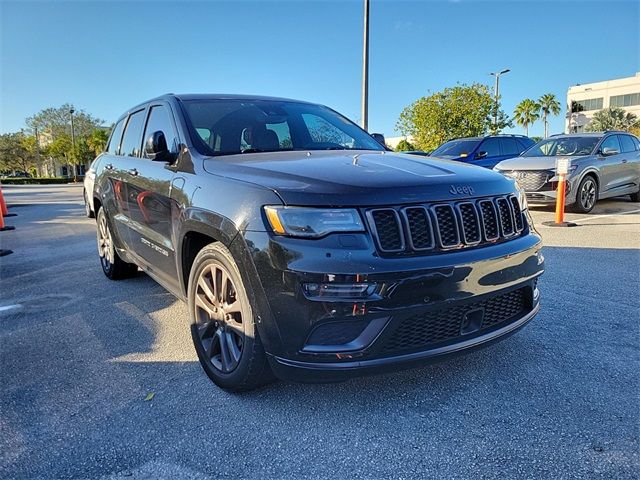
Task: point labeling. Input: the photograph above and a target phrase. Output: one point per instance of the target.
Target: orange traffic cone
(4, 227)
(3, 206)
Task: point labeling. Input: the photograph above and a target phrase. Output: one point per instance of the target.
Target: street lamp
(73, 141)
(496, 93)
(365, 69)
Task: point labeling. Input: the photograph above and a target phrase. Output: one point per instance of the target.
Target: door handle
(108, 166)
(134, 172)
(624, 161)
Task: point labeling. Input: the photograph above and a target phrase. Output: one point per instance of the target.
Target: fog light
(339, 290)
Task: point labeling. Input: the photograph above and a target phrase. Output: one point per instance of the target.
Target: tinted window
(132, 135)
(591, 104)
(563, 146)
(510, 146)
(491, 146)
(636, 142)
(626, 143)
(625, 100)
(116, 135)
(228, 126)
(610, 142)
(159, 120)
(455, 148)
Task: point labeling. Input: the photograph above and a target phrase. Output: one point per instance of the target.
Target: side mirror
(155, 148)
(481, 154)
(608, 151)
(379, 138)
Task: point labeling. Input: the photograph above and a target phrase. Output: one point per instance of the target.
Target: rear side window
(626, 142)
(132, 135)
(491, 146)
(510, 146)
(116, 135)
(636, 142)
(159, 120)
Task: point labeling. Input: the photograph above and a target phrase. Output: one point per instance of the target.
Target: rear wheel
(112, 265)
(223, 329)
(635, 197)
(87, 207)
(586, 196)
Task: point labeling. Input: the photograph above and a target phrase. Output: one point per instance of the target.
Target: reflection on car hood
(335, 178)
(534, 163)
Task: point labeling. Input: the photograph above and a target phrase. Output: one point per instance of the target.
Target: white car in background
(87, 191)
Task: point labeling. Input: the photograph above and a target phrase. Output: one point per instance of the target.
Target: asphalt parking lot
(79, 355)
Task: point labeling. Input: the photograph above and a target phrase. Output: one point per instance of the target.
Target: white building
(622, 92)
(392, 142)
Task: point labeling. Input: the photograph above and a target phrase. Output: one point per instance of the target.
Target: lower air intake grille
(446, 324)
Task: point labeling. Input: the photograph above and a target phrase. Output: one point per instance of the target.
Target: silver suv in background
(604, 164)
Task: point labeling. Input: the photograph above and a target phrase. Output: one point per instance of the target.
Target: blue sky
(106, 56)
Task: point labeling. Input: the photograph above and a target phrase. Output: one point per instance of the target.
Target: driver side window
(610, 142)
(491, 146)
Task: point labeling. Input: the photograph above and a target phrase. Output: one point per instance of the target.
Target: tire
(635, 197)
(223, 328)
(87, 207)
(112, 265)
(586, 195)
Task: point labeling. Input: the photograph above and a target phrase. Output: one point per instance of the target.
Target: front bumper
(414, 296)
(316, 372)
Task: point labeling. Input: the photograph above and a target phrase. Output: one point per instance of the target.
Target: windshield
(569, 146)
(232, 126)
(455, 148)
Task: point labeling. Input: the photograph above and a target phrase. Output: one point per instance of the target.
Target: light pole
(73, 142)
(496, 93)
(365, 69)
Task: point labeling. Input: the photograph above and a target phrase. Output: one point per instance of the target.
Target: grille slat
(470, 223)
(388, 231)
(517, 213)
(443, 325)
(419, 227)
(505, 217)
(446, 226)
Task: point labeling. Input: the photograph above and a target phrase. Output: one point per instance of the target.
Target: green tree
(549, 105)
(57, 121)
(460, 111)
(612, 118)
(15, 153)
(405, 145)
(526, 113)
(97, 141)
(498, 120)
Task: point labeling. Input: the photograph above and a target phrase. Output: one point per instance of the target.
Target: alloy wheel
(105, 243)
(588, 194)
(219, 319)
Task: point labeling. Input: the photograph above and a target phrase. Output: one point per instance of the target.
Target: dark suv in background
(483, 151)
(303, 248)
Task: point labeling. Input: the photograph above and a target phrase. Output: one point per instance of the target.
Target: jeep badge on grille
(464, 190)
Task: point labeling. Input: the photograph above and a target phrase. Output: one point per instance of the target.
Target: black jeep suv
(303, 248)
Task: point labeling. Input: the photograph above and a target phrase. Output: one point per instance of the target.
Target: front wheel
(112, 265)
(635, 197)
(223, 329)
(586, 196)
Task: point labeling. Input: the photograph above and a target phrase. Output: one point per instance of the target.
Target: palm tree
(549, 105)
(526, 112)
(612, 118)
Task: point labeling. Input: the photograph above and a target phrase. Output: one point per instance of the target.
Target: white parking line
(584, 219)
(4, 308)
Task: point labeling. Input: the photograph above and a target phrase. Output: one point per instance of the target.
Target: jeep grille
(445, 226)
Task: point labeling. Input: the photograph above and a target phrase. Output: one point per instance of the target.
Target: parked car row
(603, 165)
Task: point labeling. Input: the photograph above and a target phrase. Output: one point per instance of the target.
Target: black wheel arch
(201, 227)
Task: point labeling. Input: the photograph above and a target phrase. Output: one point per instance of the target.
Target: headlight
(312, 222)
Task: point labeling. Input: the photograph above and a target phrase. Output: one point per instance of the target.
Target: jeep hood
(359, 178)
(533, 163)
